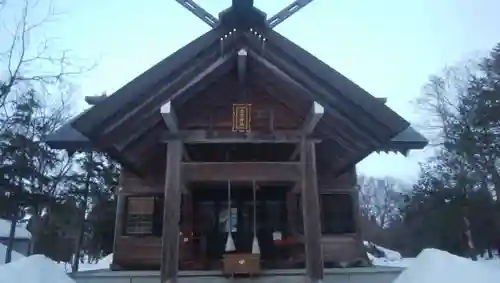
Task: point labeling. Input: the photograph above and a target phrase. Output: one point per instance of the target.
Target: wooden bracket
(313, 118)
(168, 114)
(242, 65)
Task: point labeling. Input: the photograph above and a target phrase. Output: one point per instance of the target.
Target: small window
(144, 216)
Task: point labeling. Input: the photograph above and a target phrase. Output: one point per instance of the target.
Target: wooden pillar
(120, 215)
(311, 213)
(186, 254)
(171, 213)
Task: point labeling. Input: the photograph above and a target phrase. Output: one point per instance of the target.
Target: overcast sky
(388, 47)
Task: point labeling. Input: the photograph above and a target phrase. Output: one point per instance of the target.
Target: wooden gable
(286, 78)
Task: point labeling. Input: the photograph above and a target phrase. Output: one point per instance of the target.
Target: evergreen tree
(93, 184)
(454, 206)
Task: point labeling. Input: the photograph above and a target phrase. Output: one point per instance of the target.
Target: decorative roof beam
(96, 99)
(313, 118)
(382, 99)
(168, 114)
(242, 65)
(286, 12)
(199, 12)
(206, 136)
(103, 117)
(190, 83)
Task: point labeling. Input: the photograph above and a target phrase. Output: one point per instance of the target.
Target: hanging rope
(255, 242)
(229, 242)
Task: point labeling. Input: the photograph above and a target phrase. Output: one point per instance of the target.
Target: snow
(33, 269)
(14, 255)
(102, 264)
(390, 254)
(21, 232)
(435, 266)
(404, 262)
(385, 257)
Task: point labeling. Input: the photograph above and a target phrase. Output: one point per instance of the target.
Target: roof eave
(405, 141)
(95, 116)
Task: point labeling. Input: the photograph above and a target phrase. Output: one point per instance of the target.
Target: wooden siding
(342, 249)
(212, 109)
(134, 185)
(329, 182)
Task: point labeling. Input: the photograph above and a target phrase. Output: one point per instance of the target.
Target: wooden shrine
(240, 147)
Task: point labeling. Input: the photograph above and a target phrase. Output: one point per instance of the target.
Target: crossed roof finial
(243, 13)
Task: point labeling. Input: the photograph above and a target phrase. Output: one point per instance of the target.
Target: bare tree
(31, 60)
(440, 98)
(380, 198)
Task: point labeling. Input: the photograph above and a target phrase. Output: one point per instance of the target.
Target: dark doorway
(210, 211)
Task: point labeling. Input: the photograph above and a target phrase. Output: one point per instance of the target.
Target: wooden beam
(367, 111)
(169, 117)
(206, 136)
(313, 118)
(343, 128)
(171, 213)
(311, 213)
(96, 117)
(194, 79)
(138, 136)
(241, 171)
(242, 65)
(330, 98)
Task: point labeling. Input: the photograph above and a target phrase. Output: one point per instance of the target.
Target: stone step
(338, 275)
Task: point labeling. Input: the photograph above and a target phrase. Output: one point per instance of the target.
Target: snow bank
(33, 269)
(385, 257)
(103, 263)
(3, 252)
(21, 232)
(435, 266)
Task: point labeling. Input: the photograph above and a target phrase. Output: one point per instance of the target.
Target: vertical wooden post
(171, 213)
(311, 212)
(185, 255)
(119, 220)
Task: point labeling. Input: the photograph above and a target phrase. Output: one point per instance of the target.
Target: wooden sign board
(241, 117)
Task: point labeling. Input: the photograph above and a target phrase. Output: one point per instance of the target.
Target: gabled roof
(357, 123)
(165, 71)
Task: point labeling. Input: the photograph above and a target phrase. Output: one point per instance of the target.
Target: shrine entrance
(212, 220)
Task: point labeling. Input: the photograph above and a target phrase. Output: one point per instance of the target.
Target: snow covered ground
(435, 266)
(103, 263)
(21, 231)
(430, 266)
(33, 269)
(14, 256)
(381, 256)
